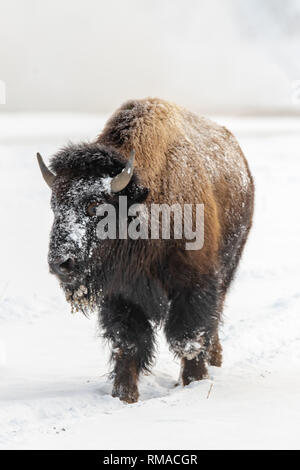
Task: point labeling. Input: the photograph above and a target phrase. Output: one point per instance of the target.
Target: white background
(210, 55)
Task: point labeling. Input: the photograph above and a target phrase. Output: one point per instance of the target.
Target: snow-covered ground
(54, 389)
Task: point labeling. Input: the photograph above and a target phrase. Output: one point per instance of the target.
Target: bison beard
(138, 285)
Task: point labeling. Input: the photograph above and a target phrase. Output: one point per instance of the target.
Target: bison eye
(92, 208)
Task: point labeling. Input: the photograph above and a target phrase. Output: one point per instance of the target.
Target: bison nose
(62, 267)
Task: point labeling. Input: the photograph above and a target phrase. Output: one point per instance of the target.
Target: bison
(151, 152)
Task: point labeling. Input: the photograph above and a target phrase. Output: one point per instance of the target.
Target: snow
(54, 386)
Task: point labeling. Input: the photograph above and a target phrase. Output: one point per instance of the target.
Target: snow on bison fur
(139, 284)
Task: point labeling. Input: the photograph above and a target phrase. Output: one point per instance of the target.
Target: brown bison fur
(187, 159)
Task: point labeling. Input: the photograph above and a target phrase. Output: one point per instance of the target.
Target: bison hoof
(125, 394)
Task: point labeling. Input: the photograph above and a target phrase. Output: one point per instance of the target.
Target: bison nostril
(66, 267)
(62, 267)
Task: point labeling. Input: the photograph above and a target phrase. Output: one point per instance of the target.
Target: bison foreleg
(131, 335)
(192, 326)
(125, 377)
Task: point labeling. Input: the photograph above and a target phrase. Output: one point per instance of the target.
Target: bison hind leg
(215, 356)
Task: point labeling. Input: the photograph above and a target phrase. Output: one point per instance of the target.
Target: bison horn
(47, 174)
(120, 181)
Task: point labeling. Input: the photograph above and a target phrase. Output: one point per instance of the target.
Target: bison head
(81, 178)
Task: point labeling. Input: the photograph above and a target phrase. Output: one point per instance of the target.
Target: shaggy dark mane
(88, 159)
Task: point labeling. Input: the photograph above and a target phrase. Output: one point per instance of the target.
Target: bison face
(82, 184)
(74, 251)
